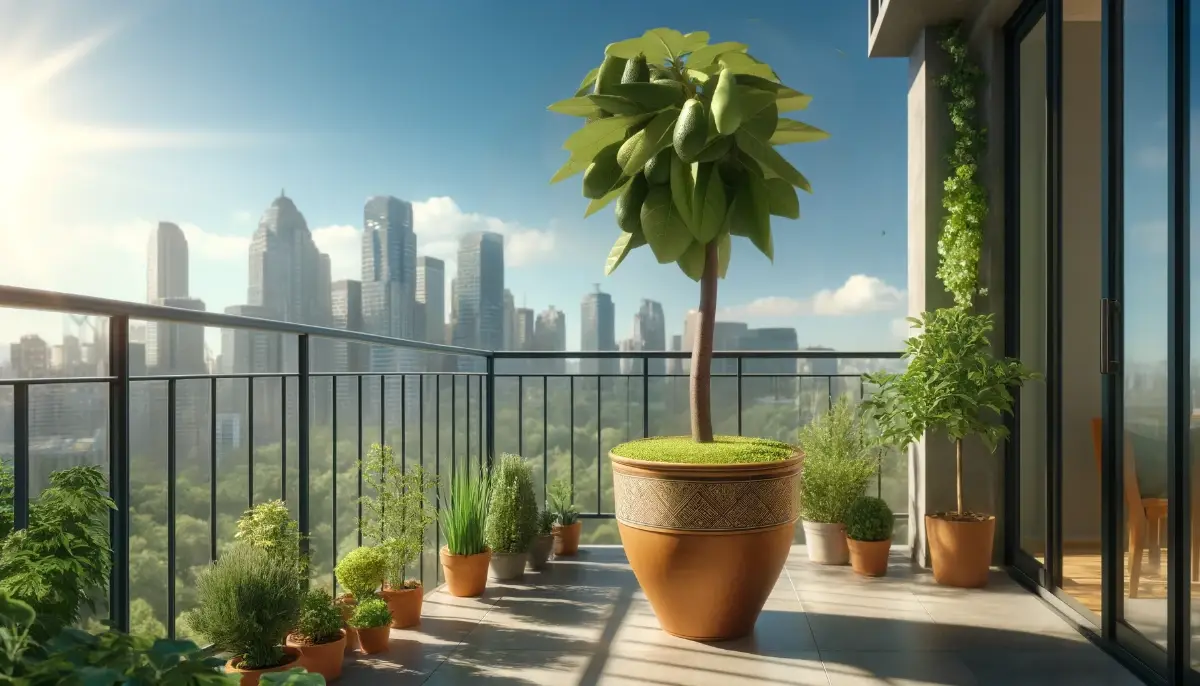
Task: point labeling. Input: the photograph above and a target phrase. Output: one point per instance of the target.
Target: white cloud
(859, 295)
(343, 244)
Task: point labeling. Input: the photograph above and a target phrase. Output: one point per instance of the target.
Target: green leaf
(626, 243)
(708, 202)
(681, 188)
(753, 100)
(762, 125)
(586, 84)
(645, 144)
(663, 226)
(741, 63)
(614, 104)
(726, 110)
(573, 166)
(668, 43)
(724, 248)
(749, 215)
(629, 48)
(783, 200)
(792, 131)
(790, 100)
(601, 133)
(692, 261)
(700, 77)
(759, 83)
(707, 55)
(694, 41)
(771, 160)
(652, 97)
(576, 107)
(600, 203)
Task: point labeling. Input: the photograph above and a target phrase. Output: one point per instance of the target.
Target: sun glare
(21, 142)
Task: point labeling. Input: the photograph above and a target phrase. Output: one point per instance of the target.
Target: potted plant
(681, 135)
(543, 543)
(319, 635)
(869, 533)
(954, 386)
(566, 527)
(395, 517)
(247, 602)
(360, 572)
(839, 461)
(465, 556)
(512, 517)
(372, 620)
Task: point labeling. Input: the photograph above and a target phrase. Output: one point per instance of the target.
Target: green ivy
(963, 197)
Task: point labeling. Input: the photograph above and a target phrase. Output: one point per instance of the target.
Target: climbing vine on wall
(963, 197)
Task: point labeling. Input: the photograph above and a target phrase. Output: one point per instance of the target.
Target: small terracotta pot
(508, 566)
(961, 551)
(347, 604)
(375, 639)
(539, 552)
(826, 543)
(869, 558)
(466, 575)
(322, 658)
(405, 605)
(250, 676)
(566, 538)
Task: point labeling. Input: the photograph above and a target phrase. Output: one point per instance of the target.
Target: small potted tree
(869, 533)
(372, 620)
(360, 572)
(395, 517)
(465, 556)
(566, 527)
(511, 518)
(543, 543)
(839, 461)
(319, 635)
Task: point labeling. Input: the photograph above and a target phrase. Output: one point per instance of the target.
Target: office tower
(248, 350)
(775, 339)
(288, 276)
(727, 336)
(389, 275)
(179, 348)
(650, 332)
(550, 333)
(510, 320)
(479, 292)
(631, 365)
(675, 366)
(346, 299)
(431, 292)
(597, 331)
(166, 277)
(29, 357)
(523, 329)
(821, 366)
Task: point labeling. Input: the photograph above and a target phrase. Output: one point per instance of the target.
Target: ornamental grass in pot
(465, 556)
(682, 135)
(319, 635)
(372, 620)
(566, 528)
(839, 462)
(543, 542)
(395, 517)
(512, 517)
(360, 572)
(869, 524)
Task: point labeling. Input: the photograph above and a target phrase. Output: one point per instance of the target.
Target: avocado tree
(681, 134)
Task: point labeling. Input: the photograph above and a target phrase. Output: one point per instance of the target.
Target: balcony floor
(585, 622)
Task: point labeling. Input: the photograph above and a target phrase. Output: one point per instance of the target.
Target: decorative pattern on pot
(704, 505)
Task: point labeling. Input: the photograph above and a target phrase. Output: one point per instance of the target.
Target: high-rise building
(650, 332)
(675, 366)
(431, 292)
(29, 357)
(782, 386)
(550, 333)
(178, 348)
(287, 273)
(166, 277)
(523, 329)
(597, 331)
(821, 366)
(389, 276)
(631, 365)
(510, 321)
(479, 292)
(248, 350)
(346, 298)
(727, 336)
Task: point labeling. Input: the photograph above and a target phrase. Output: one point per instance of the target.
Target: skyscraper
(510, 321)
(726, 336)
(675, 366)
(346, 298)
(30, 357)
(550, 333)
(178, 348)
(431, 292)
(166, 277)
(650, 331)
(783, 386)
(523, 329)
(597, 331)
(248, 350)
(632, 365)
(479, 292)
(287, 273)
(389, 276)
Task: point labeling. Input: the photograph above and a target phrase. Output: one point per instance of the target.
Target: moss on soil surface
(723, 450)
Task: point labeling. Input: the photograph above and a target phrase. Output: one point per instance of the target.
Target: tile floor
(584, 622)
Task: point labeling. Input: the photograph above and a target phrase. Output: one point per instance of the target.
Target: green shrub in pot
(512, 518)
(869, 524)
(361, 571)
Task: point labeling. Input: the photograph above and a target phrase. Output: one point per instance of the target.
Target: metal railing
(393, 406)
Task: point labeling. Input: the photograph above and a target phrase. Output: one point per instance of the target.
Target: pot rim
(445, 552)
(360, 629)
(882, 540)
(496, 555)
(572, 525)
(292, 654)
(987, 518)
(291, 637)
(714, 470)
(401, 591)
(839, 525)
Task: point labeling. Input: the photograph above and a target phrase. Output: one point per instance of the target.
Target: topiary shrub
(362, 571)
(320, 620)
(869, 519)
(371, 613)
(512, 518)
(248, 601)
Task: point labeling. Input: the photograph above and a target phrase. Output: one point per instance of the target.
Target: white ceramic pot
(826, 543)
(508, 566)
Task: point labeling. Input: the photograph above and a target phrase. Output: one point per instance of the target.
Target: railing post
(118, 468)
(491, 411)
(303, 428)
(645, 397)
(172, 478)
(739, 394)
(20, 456)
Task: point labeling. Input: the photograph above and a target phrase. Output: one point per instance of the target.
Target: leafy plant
(320, 620)
(362, 571)
(7, 487)
(512, 518)
(248, 601)
(292, 677)
(371, 613)
(60, 562)
(681, 134)
(562, 503)
(952, 384)
(546, 520)
(269, 526)
(839, 461)
(464, 513)
(869, 519)
(398, 513)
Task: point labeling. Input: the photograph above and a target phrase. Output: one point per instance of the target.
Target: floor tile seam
(457, 646)
(803, 610)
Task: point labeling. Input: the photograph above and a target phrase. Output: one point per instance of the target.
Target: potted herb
(395, 517)
(869, 533)
(952, 385)
(247, 602)
(465, 556)
(543, 543)
(682, 135)
(512, 517)
(839, 461)
(372, 620)
(566, 527)
(360, 572)
(319, 635)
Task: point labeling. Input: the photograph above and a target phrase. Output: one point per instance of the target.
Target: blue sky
(199, 112)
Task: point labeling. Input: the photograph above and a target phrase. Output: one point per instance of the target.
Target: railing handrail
(686, 354)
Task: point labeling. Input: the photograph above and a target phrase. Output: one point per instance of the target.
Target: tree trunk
(702, 348)
(958, 473)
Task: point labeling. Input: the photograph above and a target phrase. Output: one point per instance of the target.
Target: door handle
(1110, 331)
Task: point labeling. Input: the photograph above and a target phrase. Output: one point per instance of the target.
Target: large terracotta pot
(347, 604)
(566, 538)
(961, 551)
(826, 543)
(324, 658)
(869, 558)
(539, 552)
(508, 566)
(375, 639)
(250, 676)
(706, 542)
(405, 605)
(466, 575)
